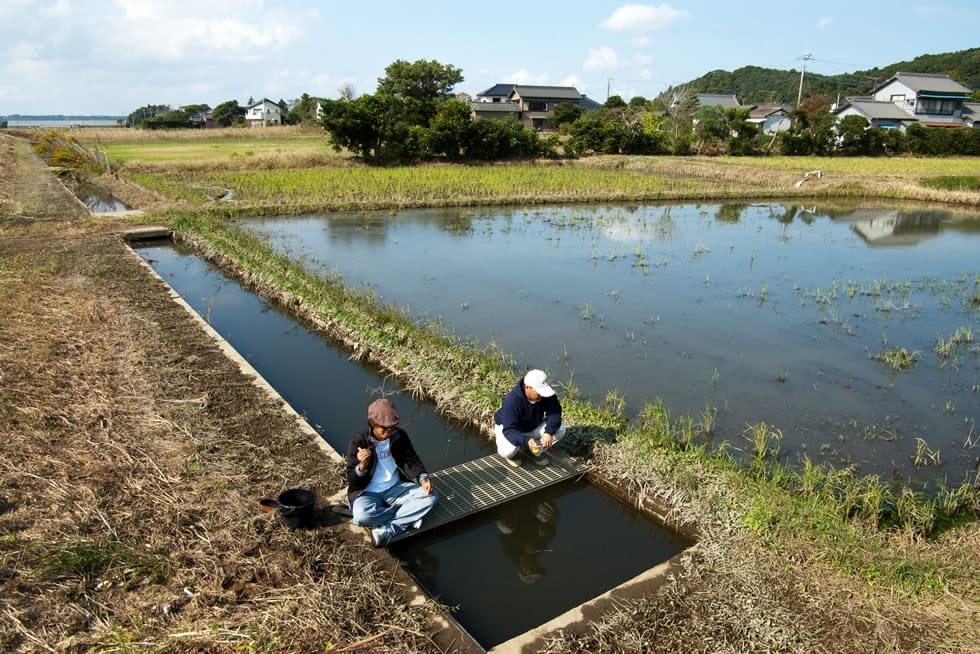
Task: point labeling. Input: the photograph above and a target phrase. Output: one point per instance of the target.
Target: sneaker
(541, 460)
(380, 536)
(513, 463)
(417, 524)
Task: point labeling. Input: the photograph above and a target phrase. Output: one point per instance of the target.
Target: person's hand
(363, 456)
(547, 440)
(426, 485)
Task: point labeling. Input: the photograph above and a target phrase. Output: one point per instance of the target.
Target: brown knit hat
(383, 413)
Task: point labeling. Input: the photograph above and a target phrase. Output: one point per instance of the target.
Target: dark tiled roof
(926, 82)
(876, 110)
(497, 89)
(548, 92)
(766, 110)
(722, 100)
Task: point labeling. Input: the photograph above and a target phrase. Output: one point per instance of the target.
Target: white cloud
(24, 59)
(640, 41)
(603, 58)
(183, 30)
(60, 9)
(642, 59)
(574, 80)
(642, 18)
(524, 77)
(824, 22)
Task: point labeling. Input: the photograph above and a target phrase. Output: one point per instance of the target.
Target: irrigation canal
(507, 569)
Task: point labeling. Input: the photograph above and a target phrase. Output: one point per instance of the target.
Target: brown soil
(133, 454)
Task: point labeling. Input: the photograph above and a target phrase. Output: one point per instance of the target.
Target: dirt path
(133, 452)
(133, 455)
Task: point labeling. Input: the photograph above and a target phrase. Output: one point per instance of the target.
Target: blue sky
(112, 56)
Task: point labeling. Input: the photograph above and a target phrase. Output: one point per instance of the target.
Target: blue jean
(396, 509)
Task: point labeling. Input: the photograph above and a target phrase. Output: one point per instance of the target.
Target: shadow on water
(96, 199)
(766, 312)
(506, 570)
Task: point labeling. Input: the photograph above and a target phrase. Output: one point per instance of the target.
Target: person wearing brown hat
(529, 420)
(388, 487)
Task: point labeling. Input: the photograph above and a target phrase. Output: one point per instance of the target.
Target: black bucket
(295, 508)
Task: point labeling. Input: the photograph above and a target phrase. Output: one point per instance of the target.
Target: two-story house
(533, 106)
(929, 99)
(264, 112)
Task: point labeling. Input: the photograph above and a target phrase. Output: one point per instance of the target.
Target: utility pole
(805, 57)
(609, 80)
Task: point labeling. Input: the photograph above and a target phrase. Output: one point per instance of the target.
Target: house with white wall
(929, 99)
(934, 100)
(770, 118)
(263, 112)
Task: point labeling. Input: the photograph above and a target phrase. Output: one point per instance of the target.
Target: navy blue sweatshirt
(518, 416)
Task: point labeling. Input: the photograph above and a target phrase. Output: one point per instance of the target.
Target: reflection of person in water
(525, 533)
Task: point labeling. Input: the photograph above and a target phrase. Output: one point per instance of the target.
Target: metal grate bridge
(476, 485)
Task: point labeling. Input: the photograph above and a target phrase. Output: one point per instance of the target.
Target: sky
(110, 57)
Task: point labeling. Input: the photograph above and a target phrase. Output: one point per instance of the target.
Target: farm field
(131, 402)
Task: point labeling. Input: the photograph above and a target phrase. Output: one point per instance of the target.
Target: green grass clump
(953, 182)
(897, 358)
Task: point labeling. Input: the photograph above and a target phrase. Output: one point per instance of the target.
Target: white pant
(508, 450)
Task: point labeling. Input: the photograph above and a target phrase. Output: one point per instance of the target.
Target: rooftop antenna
(805, 57)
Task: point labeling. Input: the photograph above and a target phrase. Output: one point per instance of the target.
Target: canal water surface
(761, 313)
(504, 571)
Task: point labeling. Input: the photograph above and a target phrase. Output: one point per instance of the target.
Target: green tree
(851, 131)
(138, 117)
(614, 102)
(416, 89)
(711, 129)
(741, 133)
(228, 113)
(565, 113)
(447, 133)
(638, 102)
(358, 125)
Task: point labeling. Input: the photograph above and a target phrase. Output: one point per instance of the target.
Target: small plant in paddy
(897, 358)
(925, 455)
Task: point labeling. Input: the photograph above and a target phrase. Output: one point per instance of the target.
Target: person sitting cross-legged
(529, 420)
(388, 487)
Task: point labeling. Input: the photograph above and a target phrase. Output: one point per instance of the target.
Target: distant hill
(752, 84)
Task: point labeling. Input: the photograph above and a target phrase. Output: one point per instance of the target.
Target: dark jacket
(409, 464)
(518, 416)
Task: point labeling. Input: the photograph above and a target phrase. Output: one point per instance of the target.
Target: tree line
(414, 115)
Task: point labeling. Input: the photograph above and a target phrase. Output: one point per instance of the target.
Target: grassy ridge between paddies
(850, 522)
(325, 188)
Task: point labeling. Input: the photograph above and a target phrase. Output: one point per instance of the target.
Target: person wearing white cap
(529, 420)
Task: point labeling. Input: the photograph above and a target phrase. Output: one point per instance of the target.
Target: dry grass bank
(133, 453)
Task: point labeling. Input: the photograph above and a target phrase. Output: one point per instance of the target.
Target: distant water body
(62, 122)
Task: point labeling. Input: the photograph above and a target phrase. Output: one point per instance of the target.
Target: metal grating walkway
(473, 486)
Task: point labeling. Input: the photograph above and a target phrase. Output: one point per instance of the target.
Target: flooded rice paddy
(504, 571)
(792, 315)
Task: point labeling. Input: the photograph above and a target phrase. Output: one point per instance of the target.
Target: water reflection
(525, 533)
(97, 200)
(893, 227)
(468, 563)
(767, 311)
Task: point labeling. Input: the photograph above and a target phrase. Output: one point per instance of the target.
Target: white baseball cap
(538, 380)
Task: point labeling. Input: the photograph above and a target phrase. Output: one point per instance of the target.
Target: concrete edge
(580, 618)
(242, 363)
(446, 633)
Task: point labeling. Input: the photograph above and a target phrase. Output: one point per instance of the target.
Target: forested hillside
(753, 84)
